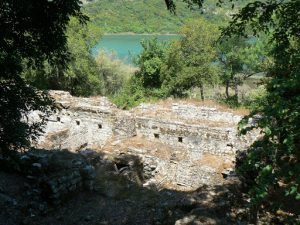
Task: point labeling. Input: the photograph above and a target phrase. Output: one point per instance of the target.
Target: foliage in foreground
(274, 161)
(49, 51)
(81, 77)
(16, 100)
(34, 32)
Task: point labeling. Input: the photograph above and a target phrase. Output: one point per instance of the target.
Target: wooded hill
(147, 16)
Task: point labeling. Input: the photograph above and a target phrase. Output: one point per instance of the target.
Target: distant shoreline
(144, 34)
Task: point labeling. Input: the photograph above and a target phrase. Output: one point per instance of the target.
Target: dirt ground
(117, 201)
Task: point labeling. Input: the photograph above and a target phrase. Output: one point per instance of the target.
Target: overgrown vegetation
(191, 60)
(31, 32)
(197, 61)
(81, 76)
(44, 44)
(147, 16)
(113, 72)
(273, 162)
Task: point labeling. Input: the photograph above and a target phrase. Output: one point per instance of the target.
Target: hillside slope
(146, 16)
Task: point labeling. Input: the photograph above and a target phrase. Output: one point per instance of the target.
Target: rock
(37, 165)
(186, 220)
(26, 221)
(7, 199)
(153, 167)
(88, 172)
(229, 173)
(31, 177)
(25, 157)
(88, 218)
(89, 185)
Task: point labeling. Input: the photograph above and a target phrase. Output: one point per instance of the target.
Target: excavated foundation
(180, 144)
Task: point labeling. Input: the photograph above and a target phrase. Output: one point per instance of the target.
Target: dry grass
(167, 103)
(154, 148)
(165, 152)
(163, 110)
(214, 161)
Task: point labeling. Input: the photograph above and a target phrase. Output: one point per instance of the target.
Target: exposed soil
(119, 201)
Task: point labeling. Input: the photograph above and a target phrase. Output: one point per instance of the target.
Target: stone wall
(78, 123)
(57, 174)
(187, 129)
(124, 126)
(204, 113)
(91, 122)
(196, 139)
(182, 174)
(75, 130)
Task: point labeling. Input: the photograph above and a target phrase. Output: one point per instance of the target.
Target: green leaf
(268, 131)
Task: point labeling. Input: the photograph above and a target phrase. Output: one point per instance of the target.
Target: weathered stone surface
(190, 131)
(91, 122)
(64, 173)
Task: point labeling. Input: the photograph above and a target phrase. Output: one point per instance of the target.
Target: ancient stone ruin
(180, 144)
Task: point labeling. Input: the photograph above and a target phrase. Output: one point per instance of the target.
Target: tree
(113, 71)
(150, 62)
(32, 32)
(194, 57)
(240, 59)
(145, 84)
(274, 161)
(81, 76)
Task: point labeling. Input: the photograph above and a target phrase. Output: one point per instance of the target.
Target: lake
(127, 46)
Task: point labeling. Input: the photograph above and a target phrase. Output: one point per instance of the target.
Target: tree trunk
(236, 92)
(201, 92)
(227, 89)
(253, 215)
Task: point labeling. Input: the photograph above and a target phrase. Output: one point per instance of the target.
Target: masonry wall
(195, 139)
(92, 122)
(204, 113)
(77, 129)
(190, 133)
(124, 126)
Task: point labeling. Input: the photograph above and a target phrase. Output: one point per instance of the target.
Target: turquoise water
(127, 46)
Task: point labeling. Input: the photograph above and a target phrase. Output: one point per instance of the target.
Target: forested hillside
(147, 16)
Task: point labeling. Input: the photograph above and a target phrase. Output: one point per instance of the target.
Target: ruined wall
(91, 122)
(57, 174)
(182, 137)
(78, 123)
(175, 172)
(124, 125)
(204, 113)
(196, 139)
(74, 130)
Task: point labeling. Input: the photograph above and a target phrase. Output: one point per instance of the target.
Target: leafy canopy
(190, 62)
(32, 32)
(275, 160)
(81, 75)
(272, 166)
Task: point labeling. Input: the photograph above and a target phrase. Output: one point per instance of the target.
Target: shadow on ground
(117, 195)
